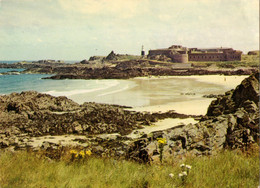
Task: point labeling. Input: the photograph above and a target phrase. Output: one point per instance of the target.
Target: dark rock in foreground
(35, 114)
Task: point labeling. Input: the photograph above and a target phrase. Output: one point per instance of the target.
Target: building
(214, 54)
(175, 53)
(179, 54)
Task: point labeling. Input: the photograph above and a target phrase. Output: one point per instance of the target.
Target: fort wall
(207, 57)
(180, 58)
(178, 54)
(159, 52)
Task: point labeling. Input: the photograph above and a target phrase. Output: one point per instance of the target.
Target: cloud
(124, 9)
(39, 40)
(83, 25)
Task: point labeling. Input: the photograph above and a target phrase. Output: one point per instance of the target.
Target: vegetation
(127, 57)
(227, 169)
(246, 61)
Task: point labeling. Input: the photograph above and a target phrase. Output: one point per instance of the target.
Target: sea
(89, 89)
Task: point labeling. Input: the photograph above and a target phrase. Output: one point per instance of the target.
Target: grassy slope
(227, 169)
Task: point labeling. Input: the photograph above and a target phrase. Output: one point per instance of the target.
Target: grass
(227, 169)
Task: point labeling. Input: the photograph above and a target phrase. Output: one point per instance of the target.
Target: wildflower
(188, 166)
(161, 140)
(82, 154)
(88, 152)
(73, 152)
(184, 173)
(171, 175)
(182, 165)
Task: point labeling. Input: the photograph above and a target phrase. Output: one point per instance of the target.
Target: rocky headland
(231, 122)
(112, 67)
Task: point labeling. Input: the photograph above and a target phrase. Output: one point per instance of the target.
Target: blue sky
(78, 29)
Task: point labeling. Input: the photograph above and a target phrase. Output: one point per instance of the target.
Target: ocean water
(15, 61)
(8, 70)
(9, 62)
(89, 89)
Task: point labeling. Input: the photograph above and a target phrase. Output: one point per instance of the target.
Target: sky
(78, 29)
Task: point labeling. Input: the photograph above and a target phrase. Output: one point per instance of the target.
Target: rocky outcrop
(232, 122)
(131, 70)
(35, 114)
(248, 91)
(255, 52)
(111, 56)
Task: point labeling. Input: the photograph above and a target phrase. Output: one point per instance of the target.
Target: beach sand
(161, 125)
(188, 97)
(183, 94)
(159, 94)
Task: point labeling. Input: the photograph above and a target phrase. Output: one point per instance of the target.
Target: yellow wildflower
(82, 154)
(161, 140)
(73, 152)
(88, 152)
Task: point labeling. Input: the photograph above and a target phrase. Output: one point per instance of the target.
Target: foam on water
(98, 86)
(26, 82)
(116, 91)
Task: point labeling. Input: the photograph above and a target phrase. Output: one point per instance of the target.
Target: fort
(180, 54)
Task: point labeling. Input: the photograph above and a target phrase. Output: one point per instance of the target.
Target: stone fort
(180, 54)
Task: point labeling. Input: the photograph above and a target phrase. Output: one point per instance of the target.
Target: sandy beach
(184, 94)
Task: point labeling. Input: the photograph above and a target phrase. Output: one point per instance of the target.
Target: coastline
(161, 94)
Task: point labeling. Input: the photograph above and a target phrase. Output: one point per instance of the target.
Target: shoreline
(155, 94)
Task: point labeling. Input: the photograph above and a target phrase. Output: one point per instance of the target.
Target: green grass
(227, 169)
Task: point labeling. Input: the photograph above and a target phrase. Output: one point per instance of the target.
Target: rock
(212, 96)
(84, 62)
(111, 56)
(247, 90)
(95, 58)
(4, 143)
(256, 52)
